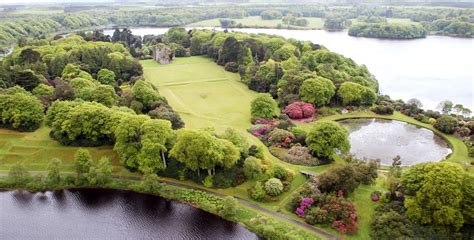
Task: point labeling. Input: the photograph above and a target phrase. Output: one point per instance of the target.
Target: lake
(431, 69)
(385, 139)
(107, 214)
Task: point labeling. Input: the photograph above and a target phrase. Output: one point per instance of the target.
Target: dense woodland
(446, 21)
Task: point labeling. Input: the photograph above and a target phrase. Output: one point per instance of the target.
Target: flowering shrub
(261, 131)
(299, 110)
(280, 138)
(328, 208)
(375, 196)
(305, 202)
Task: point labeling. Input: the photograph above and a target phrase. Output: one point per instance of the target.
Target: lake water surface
(431, 69)
(107, 214)
(385, 139)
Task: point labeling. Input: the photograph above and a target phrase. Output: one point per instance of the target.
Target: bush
(446, 124)
(325, 137)
(280, 172)
(300, 135)
(253, 168)
(280, 138)
(105, 76)
(383, 110)
(257, 192)
(463, 132)
(316, 215)
(299, 110)
(273, 187)
(264, 106)
(232, 67)
(230, 206)
(431, 121)
(300, 155)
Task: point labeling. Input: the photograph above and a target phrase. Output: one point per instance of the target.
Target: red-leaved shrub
(299, 110)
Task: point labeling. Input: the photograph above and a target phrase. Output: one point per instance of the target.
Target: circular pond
(107, 214)
(385, 139)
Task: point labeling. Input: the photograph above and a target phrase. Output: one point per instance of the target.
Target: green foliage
(146, 93)
(82, 162)
(54, 176)
(273, 187)
(253, 168)
(198, 149)
(446, 124)
(468, 198)
(238, 140)
(84, 123)
(43, 90)
(438, 194)
(264, 106)
(257, 192)
(230, 206)
(105, 76)
(325, 137)
(387, 30)
(104, 94)
(18, 173)
(318, 91)
(356, 94)
(20, 111)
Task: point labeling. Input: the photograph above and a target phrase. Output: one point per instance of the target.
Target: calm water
(430, 69)
(107, 214)
(385, 139)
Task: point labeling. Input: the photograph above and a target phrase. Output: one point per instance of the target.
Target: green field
(202, 92)
(258, 22)
(36, 149)
(392, 20)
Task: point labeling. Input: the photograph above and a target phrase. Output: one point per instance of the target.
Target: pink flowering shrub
(305, 203)
(299, 110)
(330, 209)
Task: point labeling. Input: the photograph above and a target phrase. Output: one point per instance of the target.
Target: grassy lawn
(202, 92)
(36, 149)
(258, 22)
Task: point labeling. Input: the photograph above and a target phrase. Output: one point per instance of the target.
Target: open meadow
(258, 22)
(36, 149)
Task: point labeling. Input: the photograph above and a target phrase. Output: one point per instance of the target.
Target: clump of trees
(20, 110)
(387, 30)
(325, 138)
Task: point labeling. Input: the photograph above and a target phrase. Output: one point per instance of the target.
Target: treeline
(387, 30)
(275, 65)
(455, 22)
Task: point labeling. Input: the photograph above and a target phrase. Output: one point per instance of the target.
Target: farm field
(258, 22)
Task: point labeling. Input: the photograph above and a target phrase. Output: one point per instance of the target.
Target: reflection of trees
(94, 198)
(354, 125)
(23, 198)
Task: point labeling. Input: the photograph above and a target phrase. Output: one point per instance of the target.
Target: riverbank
(263, 222)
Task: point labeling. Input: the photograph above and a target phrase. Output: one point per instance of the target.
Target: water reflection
(385, 139)
(107, 214)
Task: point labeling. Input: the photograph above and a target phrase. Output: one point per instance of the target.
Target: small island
(387, 30)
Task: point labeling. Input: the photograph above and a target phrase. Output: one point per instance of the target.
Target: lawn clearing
(36, 149)
(202, 92)
(258, 22)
